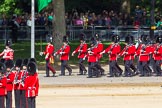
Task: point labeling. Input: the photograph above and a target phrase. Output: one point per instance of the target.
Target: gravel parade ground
(103, 92)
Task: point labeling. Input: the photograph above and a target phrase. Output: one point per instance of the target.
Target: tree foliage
(10, 7)
(20, 6)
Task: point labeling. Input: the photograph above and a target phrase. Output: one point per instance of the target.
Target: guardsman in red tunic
(64, 56)
(144, 52)
(82, 51)
(8, 53)
(3, 84)
(157, 55)
(100, 47)
(49, 55)
(18, 65)
(92, 59)
(128, 54)
(10, 79)
(113, 50)
(31, 85)
(22, 77)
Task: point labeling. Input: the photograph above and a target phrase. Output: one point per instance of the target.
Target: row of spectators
(111, 18)
(25, 19)
(105, 18)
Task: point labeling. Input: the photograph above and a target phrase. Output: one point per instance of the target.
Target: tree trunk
(59, 27)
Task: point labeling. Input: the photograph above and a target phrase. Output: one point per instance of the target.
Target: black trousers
(9, 99)
(92, 70)
(2, 98)
(31, 102)
(128, 70)
(17, 98)
(64, 65)
(157, 67)
(98, 66)
(114, 68)
(145, 69)
(132, 66)
(22, 99)
(81, 66)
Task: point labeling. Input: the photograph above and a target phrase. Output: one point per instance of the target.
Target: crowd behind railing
(74, 19)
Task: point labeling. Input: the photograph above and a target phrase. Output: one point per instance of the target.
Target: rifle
(81, 46)
(62, 49)
(143, 48)
(8, 73)
(1, 78)
(126, 48)
(157, 48)
(16, 77)
(23, 78)
(112, 47)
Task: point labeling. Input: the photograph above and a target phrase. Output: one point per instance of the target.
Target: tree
(59, 27)
(9, 7)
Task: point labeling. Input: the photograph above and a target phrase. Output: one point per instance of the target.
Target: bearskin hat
(97, 36)
(127, 39)
(159, 39)
(82, 37)
(115, 38)
(25, 62)
(9, 64)
(65, 39)
(18, 62)
(49, 38)
(31, 67)
(93, 41)
(2, 68)
(131, 39)
(8, 43)
(33, 60)
(144, 38)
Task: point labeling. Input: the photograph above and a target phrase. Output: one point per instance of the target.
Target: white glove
(46, 56)
(61, 53)
(72, 54)
(40, 53)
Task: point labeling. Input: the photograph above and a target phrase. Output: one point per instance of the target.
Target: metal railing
(74, 31)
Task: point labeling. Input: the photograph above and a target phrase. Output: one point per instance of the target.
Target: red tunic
(3, 84)
(157, 55)
(10, 79)
(64, 52)
(83, 50)
(7, 54)
(144, 56)
(32, 85)
(100, 47)
(114, 50)
(18, 78)
(21, 75)
(92, 57)
(128, 52)
(49, 51)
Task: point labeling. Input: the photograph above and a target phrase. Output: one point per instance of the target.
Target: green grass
(23, 50)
